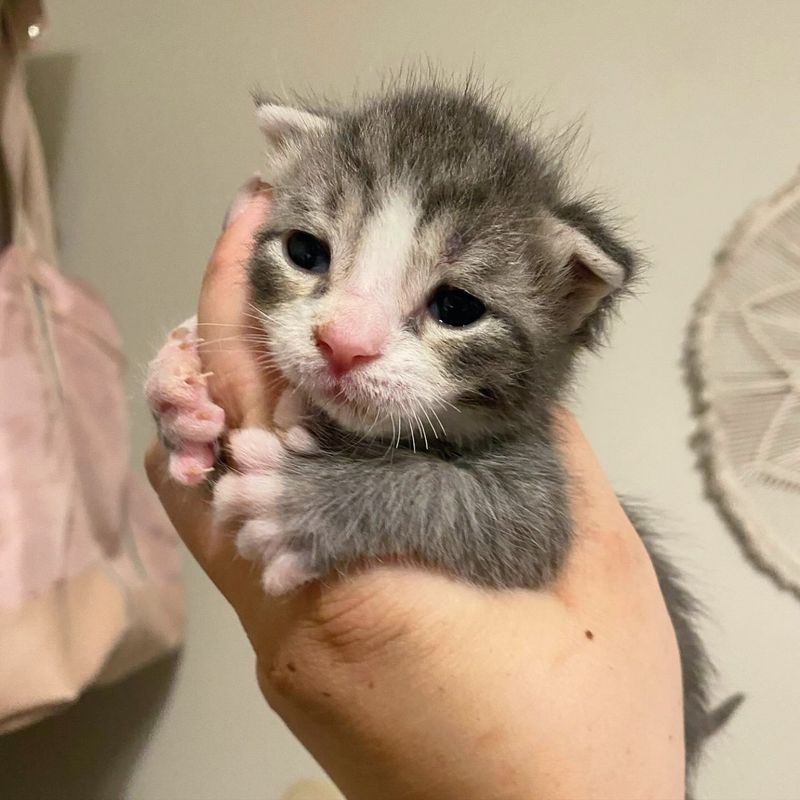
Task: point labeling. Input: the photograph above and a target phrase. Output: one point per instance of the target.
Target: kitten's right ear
(282, 125)
(593, 269)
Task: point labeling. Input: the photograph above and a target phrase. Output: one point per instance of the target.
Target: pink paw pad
(191, 464)
(177, 393)
(200, 424)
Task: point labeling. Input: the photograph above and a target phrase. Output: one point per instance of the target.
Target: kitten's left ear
(281, 125)
(593, 269)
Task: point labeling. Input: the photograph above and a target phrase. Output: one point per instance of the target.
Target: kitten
(426, 282)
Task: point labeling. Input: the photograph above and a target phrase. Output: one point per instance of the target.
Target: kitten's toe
(191, 464)
(174, 376)
(255, 449)
(299, 440)
(257, 539)
(245, 496)
(285, 572)
(202, 422)
(176, 389)
(288, 418)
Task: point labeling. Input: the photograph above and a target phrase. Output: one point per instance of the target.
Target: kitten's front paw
(252, 498)
(188, 421)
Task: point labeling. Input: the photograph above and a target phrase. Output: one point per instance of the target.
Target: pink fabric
(90, 585)
(64, 483)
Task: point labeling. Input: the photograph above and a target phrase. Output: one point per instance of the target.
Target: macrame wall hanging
(744, 372)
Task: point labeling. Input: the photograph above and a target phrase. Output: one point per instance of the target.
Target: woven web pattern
(744, 358)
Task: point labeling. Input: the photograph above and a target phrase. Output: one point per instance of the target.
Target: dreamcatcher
(744, 368)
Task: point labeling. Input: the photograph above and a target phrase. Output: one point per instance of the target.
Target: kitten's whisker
(250, 334)
(261, 315)
(205, 344)
(448, 404)
(264, 318)
(227, 325)
(391, 443)
(371, 427)
(422, 430)
(427, 416)
(420, 427)
(438, 419)
(223, 349)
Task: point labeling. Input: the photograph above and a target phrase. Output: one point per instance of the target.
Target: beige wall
(693, 111)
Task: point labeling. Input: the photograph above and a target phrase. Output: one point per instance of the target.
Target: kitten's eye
(455, 307)
(307, 252)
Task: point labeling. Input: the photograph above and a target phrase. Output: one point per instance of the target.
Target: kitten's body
(433, 442)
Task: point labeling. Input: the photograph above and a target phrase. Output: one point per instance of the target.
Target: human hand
(404, 683)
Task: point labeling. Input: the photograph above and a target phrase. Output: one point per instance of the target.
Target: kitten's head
(422, 268)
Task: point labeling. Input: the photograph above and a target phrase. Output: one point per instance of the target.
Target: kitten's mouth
(374, 406)
(365, 402)
(336, 395)
(356, 402)
(343, 394)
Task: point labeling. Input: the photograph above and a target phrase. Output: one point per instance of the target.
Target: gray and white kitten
(426, 283)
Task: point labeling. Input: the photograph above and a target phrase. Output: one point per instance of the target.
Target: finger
(242, 199)
(234, 245)
(592, 493)
(187, 507)
(607, 555)
(189, 510)
(265, 620)
(240, 381)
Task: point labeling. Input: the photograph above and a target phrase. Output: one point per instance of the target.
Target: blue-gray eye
(307, 252)
(455, 307)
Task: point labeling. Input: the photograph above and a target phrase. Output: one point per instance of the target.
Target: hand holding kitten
(404, 683)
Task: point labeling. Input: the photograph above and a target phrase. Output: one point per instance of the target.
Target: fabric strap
(28, 216)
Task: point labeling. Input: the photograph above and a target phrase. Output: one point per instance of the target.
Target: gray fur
(488, 501)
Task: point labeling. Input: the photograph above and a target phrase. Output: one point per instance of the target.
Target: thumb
(234, 340)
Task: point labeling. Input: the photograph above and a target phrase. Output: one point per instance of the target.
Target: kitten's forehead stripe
(386, 246)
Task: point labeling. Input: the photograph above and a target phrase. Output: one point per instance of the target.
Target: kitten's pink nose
(346, 346)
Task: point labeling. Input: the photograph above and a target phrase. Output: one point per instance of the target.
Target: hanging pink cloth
(89, 566)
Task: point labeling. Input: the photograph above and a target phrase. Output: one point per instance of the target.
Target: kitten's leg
(189, 423)
(499, 520)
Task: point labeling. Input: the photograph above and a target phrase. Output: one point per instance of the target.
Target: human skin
(404, 683)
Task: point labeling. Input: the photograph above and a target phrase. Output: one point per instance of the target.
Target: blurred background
(691, 112)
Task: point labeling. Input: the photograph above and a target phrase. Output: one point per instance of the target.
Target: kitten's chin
(453, 425)
(355, 406)
(381, 412)
(355, 417)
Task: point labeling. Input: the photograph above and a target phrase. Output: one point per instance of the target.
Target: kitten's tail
(717, 718)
